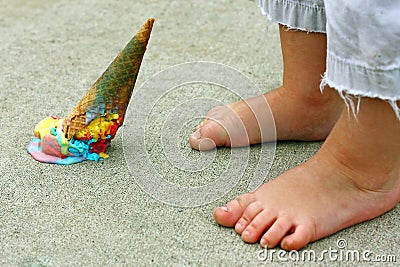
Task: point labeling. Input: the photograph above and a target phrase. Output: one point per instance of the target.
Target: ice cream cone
(111, 93)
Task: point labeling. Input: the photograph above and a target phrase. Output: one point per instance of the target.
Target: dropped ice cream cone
(88, 130)
(112, 90)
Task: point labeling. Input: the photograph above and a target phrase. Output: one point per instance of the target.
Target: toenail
(224, 208)
(263, 243)
(246, 233)
(239, 226)
(196, 134)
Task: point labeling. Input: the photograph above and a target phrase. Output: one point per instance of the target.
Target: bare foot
(299, 109)
(353, 178)
(296, 116)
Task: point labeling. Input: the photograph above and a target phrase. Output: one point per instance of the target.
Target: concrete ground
(106, 214)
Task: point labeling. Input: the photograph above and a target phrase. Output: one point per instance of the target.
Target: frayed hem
(295, 15)
(291, 28)
(353, 100)
(395, 108)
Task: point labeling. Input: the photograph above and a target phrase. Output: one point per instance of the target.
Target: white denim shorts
(363, 43)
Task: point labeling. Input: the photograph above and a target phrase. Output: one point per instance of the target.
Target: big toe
(208, 136)
(229, 214)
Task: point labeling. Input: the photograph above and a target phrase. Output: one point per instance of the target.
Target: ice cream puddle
(86, 133)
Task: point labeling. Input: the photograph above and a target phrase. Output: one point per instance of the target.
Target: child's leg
(354, 177)
(300, 111)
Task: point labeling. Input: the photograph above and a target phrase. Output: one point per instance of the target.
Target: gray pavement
(102, 214)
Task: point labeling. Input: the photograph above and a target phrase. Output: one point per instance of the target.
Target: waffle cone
(113, 89)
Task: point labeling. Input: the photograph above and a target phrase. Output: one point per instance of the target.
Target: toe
(208, 135)
(199, 143)
(249, 214)
(298, 239)
(195, 138)
(276, 232)
(260, 223)
(230, 214)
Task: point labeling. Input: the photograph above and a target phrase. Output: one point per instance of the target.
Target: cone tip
(149, 23)
(145, 30)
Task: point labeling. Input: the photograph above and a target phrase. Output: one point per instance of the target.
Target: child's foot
(298, 115)
(299, 109)
(353, 178)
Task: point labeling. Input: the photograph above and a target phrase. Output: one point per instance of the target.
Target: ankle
(311, 95)
(367, 148)
(360, 171)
